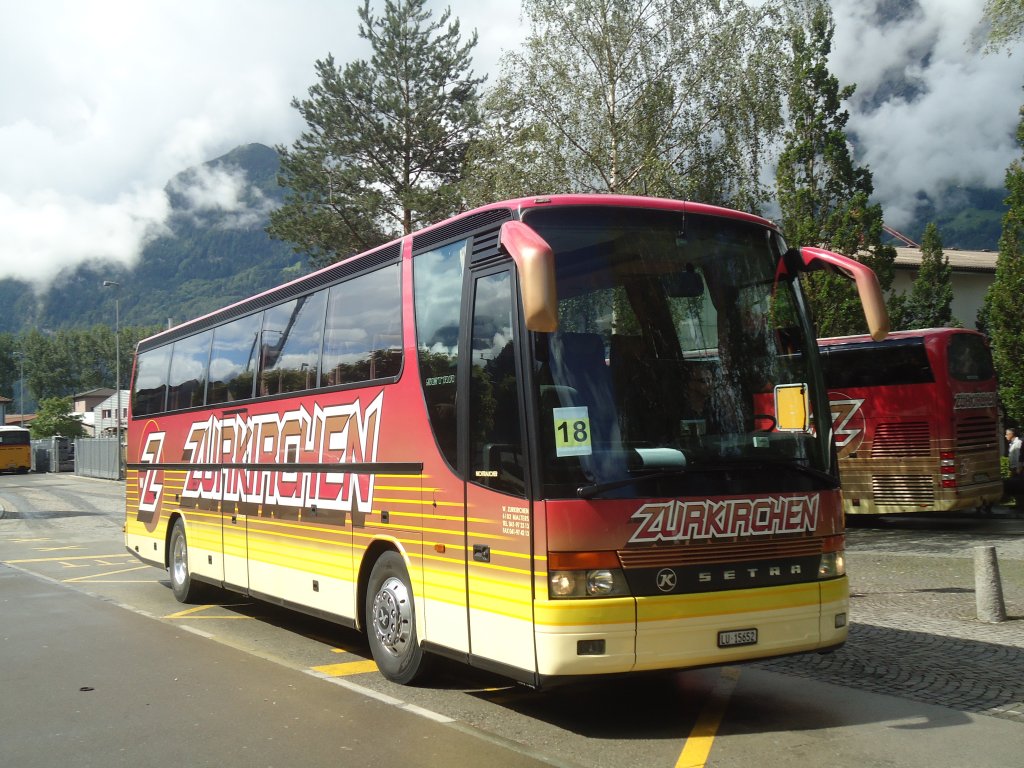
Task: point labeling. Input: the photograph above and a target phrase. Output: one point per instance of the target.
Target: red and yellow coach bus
(525, 438)
(916, 421)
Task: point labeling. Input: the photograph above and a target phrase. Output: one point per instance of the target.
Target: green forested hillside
(969, 218)
(209, 260)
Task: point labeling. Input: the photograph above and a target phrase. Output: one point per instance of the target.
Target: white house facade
(105, 414)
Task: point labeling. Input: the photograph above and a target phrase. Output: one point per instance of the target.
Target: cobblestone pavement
(914, 630)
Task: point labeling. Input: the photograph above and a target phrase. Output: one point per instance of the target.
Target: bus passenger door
(234, 526)
(498, 510)
(234, 518)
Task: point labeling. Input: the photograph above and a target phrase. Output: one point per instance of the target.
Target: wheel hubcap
(392, 616)
(179, 561)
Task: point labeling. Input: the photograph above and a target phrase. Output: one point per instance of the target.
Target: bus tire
(185, 588)
(391, 621)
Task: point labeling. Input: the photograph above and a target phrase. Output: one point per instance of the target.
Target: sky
(102, 102)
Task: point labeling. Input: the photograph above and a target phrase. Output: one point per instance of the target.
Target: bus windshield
(674, 334)
(14, 436)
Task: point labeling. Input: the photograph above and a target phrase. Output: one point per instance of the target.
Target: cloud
(951, 118)
(223, 191)
(107, 100)
(46, 232)
(112, 98)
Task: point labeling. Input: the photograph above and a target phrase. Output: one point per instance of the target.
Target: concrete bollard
(988, 589)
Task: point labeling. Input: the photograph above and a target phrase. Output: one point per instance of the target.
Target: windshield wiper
(590, 491)
(595, 489)
(769, 464)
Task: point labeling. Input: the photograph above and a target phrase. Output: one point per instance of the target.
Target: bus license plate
(736, 637)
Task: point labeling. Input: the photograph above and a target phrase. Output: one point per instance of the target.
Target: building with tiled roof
(973, 273)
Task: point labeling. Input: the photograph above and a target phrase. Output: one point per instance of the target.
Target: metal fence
(86, 456)
(53, 454)
(97, 457)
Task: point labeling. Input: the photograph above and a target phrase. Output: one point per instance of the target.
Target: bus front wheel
(185, 588)
(391, 621)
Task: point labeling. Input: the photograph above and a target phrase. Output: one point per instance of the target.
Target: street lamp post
(117, 364)
(20, 354)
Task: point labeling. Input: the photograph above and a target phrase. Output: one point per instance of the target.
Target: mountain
(968, 218)
(209, 257)
(212, 256)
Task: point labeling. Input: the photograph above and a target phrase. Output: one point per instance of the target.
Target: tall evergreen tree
(931, 297)
(9, 364)
(386, 140)
(823, 194)
(1005, 299)
(676, 98)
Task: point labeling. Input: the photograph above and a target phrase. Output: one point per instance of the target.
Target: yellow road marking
(73, 557)
(54, 549)
(347, 668)
(105, 573)
(702, 737)
(191, 612)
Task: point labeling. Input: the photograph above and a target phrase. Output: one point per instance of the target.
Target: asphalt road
(100, 666)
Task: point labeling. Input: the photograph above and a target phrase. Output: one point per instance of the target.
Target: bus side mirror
(536, 264)
(809, 259)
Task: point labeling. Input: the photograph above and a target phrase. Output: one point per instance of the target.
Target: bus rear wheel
(185, 588)
(391, 621)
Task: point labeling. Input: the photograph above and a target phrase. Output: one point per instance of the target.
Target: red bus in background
(916, 421)
(527, 438)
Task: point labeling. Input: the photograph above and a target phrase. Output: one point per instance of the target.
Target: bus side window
(233, 360)
(149, 392)
(437, 279)
(292, 339)
(363, 339)
(496, 450)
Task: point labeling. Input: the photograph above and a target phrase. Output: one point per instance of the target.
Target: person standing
(1013, 451)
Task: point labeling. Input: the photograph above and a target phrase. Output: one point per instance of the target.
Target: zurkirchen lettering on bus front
(678, 521)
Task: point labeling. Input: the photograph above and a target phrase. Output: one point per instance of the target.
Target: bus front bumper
(649, 633)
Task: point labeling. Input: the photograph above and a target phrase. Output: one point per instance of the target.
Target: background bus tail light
(947, 468)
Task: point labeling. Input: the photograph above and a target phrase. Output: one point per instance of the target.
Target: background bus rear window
(969, 358)
(875, 365)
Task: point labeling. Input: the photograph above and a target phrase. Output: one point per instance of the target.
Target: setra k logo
(666, 579)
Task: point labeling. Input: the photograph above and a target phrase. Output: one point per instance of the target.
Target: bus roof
(441, 231)
(921, 333)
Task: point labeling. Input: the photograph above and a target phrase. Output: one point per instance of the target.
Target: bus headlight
(833, 565)
(562, 583)
(600, 582)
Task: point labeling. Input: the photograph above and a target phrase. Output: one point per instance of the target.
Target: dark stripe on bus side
(358, 468)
